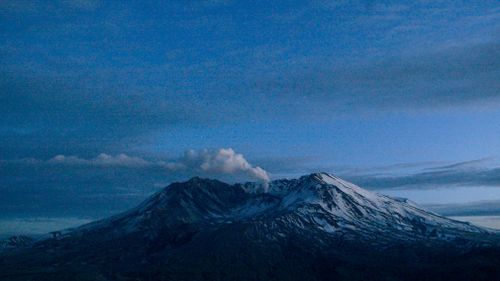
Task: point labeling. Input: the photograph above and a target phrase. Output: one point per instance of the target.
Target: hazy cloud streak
(223, 162)
(467, 173)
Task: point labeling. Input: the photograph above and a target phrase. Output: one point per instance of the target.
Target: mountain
(16, 242)
(317, 227)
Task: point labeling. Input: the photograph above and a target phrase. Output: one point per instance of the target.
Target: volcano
(316, 227)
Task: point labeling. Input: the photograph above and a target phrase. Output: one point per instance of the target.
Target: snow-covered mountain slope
(319, 203)
(337, 205)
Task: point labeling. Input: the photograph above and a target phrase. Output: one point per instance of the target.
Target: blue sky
(356, 88)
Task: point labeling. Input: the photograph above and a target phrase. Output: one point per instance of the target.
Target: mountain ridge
(310, 228)
(321, 200)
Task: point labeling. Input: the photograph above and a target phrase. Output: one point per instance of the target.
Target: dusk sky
(105, 102)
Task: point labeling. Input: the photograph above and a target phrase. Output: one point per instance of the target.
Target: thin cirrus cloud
(479, 208)
(478, 172)
(456, 75)
(425, 175)
(484, 172)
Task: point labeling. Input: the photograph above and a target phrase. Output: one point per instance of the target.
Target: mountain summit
(319, 203)
(316, 227)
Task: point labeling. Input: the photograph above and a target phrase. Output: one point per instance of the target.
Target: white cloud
(102, 159)
(222, 163)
